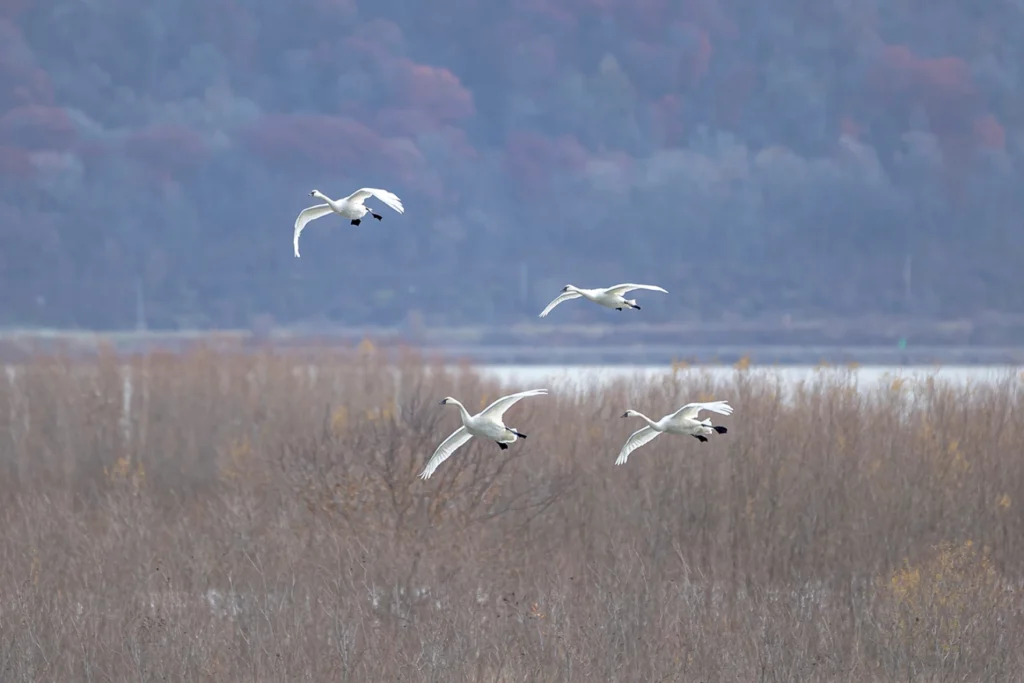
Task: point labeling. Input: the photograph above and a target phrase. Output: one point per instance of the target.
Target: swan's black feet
(377, 216)
(356, 221)
(636, 307)
(700, 437)
(619, 308)
(720, 430)
(502, 446)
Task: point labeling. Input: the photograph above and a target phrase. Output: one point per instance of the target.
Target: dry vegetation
(238, 518)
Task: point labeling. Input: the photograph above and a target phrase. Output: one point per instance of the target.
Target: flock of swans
(489, 423)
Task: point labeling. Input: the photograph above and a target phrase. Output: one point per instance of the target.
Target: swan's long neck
(646, 419)
(320, 195)
(462, 412)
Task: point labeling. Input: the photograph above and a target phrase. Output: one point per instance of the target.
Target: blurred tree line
(793, 157)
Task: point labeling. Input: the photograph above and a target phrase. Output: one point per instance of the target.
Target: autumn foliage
(226, 516)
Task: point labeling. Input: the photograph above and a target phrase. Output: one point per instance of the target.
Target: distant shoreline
(17, 344)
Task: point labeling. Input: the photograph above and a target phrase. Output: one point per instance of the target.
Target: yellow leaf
(339, 420)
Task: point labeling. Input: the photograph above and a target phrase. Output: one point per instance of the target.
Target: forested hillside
(802, 157)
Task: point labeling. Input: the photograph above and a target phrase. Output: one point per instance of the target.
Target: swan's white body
(610, 297)
(350, 207)
(683, 421)
(487, 424)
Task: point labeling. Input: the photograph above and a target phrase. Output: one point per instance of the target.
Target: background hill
(810, 159)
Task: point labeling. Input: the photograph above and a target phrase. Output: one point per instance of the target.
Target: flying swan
(609, 298)
(683, 421)
(350, 207)
(487, 424)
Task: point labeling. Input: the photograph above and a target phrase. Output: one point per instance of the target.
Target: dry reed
(237, 517)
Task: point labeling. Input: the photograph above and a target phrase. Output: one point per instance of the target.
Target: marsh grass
(237, 517)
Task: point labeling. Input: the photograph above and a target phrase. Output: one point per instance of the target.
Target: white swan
(609, 298)
(683, 421)
(487, 423)
(350, 207)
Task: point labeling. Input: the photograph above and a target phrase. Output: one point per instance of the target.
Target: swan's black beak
(441, 402)
(625, 415)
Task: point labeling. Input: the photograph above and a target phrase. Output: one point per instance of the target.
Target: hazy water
(866, 377)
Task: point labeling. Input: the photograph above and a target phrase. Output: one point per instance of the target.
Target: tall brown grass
(238, 518)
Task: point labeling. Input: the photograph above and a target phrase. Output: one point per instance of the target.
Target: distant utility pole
(140, 306)
(908, 274)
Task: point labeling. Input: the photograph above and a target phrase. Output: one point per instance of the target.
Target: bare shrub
(221, 516)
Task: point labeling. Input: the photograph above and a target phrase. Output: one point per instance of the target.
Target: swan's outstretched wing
(635, 441)
(564, 296)
(305, 216)
(690, 410)
(388, 198)
(447, 447)
(622, 289)
(498, 408)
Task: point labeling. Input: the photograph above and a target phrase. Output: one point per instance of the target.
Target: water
(867, 377)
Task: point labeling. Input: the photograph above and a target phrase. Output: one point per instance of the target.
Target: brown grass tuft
(242, 517)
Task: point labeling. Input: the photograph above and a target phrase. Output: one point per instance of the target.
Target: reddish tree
(435, 90)
(900, 75)
(945, 77)
(944, 88)
(892, 74)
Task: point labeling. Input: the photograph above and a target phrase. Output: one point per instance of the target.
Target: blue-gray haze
(779, 157)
